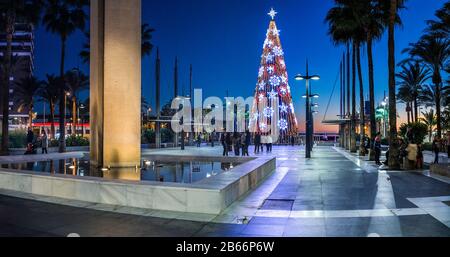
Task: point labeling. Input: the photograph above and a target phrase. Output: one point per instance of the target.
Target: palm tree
(429, 119)
(440, 27)
(76, 82)
(434, 52)
(411, 80)
(372, 20)
(146, 37)
(391, 8)
(25, 94)
(341, 29)
(64, 17)
(146, 45)
(49, 93)
(10, 12)
(85, 53)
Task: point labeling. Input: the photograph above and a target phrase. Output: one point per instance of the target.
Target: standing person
(436, 147)
(377, 148)
(269, 144)
(213, 138)
(257, 142)
(448, 144)
(247, 141)
(263, 142)
(30, 136)
(229, 142)
(419, 161)
(292, 141)
(223, 140)
(237, 144)
(44, 142)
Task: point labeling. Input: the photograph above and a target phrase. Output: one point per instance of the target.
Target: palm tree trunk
(30, 116)
(408, 112)
(11, 20)
(348, 98)
(362, 150)
(393, 144)
(62, 101)
(373, 124)
(416, 110)
(438, 105)
(353, 116)
(52, 118)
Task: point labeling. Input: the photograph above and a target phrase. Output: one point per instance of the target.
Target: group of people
(237, 142)
(261, 141)
(410, 153)
(32, 142)
(240, 143)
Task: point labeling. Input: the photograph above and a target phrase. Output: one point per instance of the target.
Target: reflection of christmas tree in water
(273, 89)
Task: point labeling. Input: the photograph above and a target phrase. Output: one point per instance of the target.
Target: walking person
(44, 142)
(257, 142)
(436, 147)
(377, 148)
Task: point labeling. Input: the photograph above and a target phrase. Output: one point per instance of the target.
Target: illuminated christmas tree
(273, 89)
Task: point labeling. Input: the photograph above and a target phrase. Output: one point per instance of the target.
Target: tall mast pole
(158, 100)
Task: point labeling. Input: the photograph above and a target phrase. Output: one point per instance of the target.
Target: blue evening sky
(223, 41)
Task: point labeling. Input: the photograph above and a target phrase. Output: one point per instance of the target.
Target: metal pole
(308, 116)
(308, 111)
(158, 103)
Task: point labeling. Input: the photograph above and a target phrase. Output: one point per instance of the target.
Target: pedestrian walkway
(332, 194)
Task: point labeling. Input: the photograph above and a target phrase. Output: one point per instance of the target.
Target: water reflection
(176, 172)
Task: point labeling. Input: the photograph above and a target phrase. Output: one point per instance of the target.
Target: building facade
(23, 66)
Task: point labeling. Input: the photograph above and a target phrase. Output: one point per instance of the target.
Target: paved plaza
(334, 194)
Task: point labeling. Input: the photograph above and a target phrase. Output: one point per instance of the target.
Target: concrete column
(115, 83)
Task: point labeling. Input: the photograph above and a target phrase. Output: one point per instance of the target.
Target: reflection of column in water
(62, 167)
(181, 173)
(157, 172)
(30, 166)
(52, 167)
(190, 172)
(75, 167)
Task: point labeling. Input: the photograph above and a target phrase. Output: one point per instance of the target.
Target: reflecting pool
(162, 171)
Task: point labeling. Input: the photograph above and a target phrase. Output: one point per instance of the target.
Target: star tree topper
(272, 14)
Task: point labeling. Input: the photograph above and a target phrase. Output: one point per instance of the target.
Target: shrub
(17, 138)
(148, 137)
(76, 141)
(419, 131)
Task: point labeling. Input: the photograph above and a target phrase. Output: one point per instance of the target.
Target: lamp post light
(66, 95)
(308, 97)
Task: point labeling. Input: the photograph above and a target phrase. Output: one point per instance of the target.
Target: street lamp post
(308, 96)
